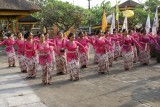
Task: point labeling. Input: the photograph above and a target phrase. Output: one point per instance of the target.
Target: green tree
(151, 5)
(65, 15)
(62, 14)
(97, 11)
(141, 12)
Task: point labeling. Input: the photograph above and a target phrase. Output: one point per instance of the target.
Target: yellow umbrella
(128, 13)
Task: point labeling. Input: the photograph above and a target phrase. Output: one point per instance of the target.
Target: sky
(84, 3)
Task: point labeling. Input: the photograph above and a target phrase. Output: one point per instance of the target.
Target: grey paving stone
(21, 100)
(139, 87)
(3, 102)
(34, 105)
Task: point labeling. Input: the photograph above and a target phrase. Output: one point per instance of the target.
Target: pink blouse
(44, 51)
(115, 39)
(135, 36)
(29, 49)
(71, 50)
(93, 41)
(9, 45)
(59, 44)
(84, 41)
(144, 40)
(101, 45)
(127, 44)
(20, 44)
(158, 41)
(110, 47)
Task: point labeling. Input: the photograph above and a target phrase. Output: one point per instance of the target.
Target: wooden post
(17, 29)
(12, 25)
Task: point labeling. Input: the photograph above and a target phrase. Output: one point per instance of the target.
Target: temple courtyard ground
(139, 87)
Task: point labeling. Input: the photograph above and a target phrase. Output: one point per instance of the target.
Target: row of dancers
(67, 54)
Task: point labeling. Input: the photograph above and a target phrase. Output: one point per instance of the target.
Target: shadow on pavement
(144, 96)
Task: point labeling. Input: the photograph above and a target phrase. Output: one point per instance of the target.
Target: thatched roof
(128, 3)
(18, 5)
(28, 19)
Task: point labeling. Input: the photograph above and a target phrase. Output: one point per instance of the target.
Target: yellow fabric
(104, 21)
(67, 33)
(71, 29)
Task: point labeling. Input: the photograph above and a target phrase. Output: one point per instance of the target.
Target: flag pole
(117, 25)
(117, 15)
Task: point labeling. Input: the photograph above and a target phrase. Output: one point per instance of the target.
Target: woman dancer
(102, 48)
(45, 58)
(82, 54)
(111, 49)
(145, 49)
(71, 47)
(136, 37)
(30, 55)
(127, 49)
(46, 35)
(20, 52)
(116, 44)
(9, 42)
(60, 56)
(158, 47)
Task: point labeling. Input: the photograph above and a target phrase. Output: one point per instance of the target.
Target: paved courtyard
(139, 87)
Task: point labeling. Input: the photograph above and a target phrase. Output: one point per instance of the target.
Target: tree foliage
(141, 12)
(65, 15)
(151, 5)
(62, 14)
(97, 11)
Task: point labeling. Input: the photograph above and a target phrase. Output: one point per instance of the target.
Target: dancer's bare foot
(13, 65)
(49, 83)
(24, 71)
(28, 77)
(126, 69)
(33, 77)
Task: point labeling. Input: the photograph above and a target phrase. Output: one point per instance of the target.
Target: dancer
(145, 49)
(9, 42)
(86, 35)
(152, 45)
(30, 55)
(127, 49)
(47, 39)
(20, 52)
(111, 49)
(158, 47)
(60, 56)
(116, 44)
(45, 58)
(94, 47)
(71, 47)
(82, 54)
(135, 35)
(102, 48)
